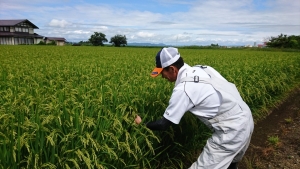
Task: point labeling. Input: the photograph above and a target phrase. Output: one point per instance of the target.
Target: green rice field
(74, 106)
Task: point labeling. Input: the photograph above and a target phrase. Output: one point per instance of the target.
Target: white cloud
(80, 32)
(188, 22)
(59, 23)
(145, 34)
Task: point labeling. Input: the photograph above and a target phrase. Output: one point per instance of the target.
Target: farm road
(283, 123)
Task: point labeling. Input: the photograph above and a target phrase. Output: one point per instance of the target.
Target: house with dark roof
(59, 41)
(21, 31)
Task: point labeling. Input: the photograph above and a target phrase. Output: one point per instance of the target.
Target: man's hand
(138, 119)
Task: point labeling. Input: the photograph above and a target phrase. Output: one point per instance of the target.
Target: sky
(172, 22)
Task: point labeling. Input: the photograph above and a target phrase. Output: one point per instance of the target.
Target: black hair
(178, 64)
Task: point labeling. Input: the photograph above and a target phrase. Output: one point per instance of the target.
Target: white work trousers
(233, 126)
(229, 141)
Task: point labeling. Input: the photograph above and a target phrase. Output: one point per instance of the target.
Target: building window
(6, 41)
(23, 24)
(4, 29)
(21, 29)
(27, 41)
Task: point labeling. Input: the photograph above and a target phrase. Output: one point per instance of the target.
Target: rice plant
(74, 107)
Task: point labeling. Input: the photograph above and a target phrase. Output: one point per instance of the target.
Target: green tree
(118, 40)
(97, 39)
(41, 43)
(51, 43)
(293, 43)
(284, 41)
(85, 43)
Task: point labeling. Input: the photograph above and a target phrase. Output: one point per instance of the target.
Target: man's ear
(174, 69)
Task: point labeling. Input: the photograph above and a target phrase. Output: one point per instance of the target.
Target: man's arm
(161, 124)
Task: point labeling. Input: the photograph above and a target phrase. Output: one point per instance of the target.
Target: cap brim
(156, 71)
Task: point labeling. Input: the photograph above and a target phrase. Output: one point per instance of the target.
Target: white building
(59, 41)
(14, 32)
(21, 31)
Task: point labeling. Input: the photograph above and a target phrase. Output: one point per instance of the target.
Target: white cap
(164, 58)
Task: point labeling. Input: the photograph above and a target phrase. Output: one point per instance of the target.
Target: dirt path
(282, 126)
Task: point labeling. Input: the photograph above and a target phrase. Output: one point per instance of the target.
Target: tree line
(281, 41)
(284, 41)
(98, 39)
